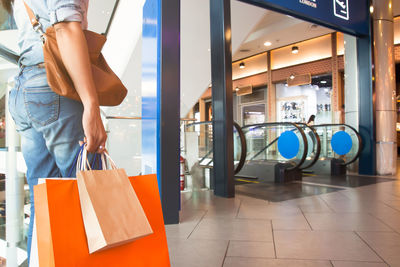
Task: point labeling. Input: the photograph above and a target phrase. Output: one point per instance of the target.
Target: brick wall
(314, 68)
(397, 53)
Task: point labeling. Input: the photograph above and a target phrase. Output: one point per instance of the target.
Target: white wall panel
(195, 44)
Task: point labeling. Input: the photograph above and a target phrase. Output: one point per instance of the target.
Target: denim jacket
(49, 13)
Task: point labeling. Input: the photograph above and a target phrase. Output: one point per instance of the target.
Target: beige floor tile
(334, 196)
(225, 210)
(345, 222)
(322, 245)
(188, 221)
(233, 229)
(251, 262)
(355, 205)
(251, 249)
(204, 200)
(395, 204)
(309, 204)
(387, 245)
(358, 264)
(267, 212)
(296, 222)
(389, 216)
(250, 200)
(196, 253)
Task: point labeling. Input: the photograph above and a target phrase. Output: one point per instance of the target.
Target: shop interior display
(292, 111)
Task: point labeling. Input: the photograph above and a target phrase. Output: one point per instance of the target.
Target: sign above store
(351, 17)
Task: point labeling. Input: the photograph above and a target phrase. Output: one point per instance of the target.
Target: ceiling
(396, 8)
(282, 30)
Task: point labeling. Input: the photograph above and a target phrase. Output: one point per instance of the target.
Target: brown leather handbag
(110, 90)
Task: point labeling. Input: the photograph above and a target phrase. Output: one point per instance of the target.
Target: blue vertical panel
(150, 87)
(160, 100)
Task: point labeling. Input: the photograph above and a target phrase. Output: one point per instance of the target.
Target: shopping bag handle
(83, 162)
(75, 160)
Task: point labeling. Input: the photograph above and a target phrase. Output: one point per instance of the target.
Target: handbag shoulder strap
(32, 18)
(36, 25)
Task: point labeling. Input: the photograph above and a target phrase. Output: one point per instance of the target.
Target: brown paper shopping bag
(111, 211)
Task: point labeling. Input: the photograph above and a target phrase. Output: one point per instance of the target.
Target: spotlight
(292, 76)
(237, 89)
(295, 49)
(241, 65)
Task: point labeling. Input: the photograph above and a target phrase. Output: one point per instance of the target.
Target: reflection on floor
(321, 222)
(310, 185)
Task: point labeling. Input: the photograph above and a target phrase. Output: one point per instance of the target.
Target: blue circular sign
(288, 144)
(341, 143)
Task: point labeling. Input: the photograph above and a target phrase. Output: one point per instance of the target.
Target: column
(271, 91)
(160, 101)
(351, 87)
(335, 80)
(203, 128)
(385, 87)
(222, 97)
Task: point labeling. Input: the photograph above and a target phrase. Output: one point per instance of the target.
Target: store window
(252, 108)
(298, 103)
(253, 114)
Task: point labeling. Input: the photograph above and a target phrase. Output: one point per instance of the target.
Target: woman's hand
(74, 52)
(94, 130)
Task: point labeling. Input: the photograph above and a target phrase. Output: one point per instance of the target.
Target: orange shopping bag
(61, 234)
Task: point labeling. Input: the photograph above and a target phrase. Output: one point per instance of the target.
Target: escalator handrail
(198, 123)
(354, 130)
(318, 150)
(303, 136)
(243, 144)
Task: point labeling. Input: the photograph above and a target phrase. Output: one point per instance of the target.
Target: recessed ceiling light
(295, 49)
(241, 65)
(323, 82)
(267, 43)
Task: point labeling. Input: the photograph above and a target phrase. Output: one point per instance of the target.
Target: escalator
(267, 152)
(198, 150)
(279, 151)
(340, 146)
(279, 161)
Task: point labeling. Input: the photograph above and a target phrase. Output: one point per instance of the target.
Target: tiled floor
(353, 226)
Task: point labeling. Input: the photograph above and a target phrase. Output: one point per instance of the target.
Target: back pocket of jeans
(42, 104)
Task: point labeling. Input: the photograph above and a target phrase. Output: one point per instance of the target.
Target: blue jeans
(50, 127)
